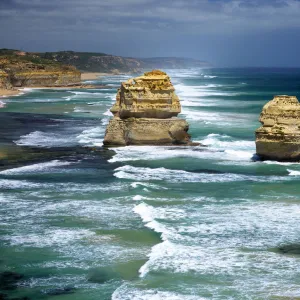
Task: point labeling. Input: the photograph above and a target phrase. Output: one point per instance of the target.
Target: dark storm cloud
(151, 27)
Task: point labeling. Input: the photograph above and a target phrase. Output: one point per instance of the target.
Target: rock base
(279, 136)
(277, 148)
(146, 131)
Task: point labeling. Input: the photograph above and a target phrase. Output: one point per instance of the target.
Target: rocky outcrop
(4, 81)
(148, 96)
(46, 78)
(21, 69)
(145, 113)
(279, 136)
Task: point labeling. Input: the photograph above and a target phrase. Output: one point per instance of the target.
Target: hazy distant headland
(101, 62)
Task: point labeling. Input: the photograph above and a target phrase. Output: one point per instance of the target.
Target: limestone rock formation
(148, 96)
(47, 78)
(145, 113)
(18, 70)
(4, 81)
(279, 136)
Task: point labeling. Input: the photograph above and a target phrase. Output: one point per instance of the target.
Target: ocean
(78, 221)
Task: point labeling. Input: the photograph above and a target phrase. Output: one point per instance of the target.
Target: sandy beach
(6, 93)
(92, 75)
(84, 76)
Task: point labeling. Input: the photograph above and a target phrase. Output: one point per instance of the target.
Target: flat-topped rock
(279, 136)
(145, 113)
(149, 96)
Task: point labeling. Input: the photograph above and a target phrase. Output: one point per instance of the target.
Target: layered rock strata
(4, 81)
(47, 78)
(279, 136)
(145, 113)
(21, 70)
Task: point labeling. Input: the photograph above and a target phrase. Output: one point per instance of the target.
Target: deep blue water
(82, 222)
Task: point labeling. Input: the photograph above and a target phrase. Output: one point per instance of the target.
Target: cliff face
(144, 113)
(23, 69)
(148, 96)
(279, 136)
(4, 81)
(46, 78)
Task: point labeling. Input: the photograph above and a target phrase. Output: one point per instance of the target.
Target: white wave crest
(125, 292)
(134, 153)
(159, 174)
(36, 168)
(45, 139)
(226, 142)
(92, 137)
(293, 172)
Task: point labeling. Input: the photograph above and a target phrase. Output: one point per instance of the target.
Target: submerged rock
(279, 136)
(9, 280)
(145, 113)
(293, 249)
(61, 291)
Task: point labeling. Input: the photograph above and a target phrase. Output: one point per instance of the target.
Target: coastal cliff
(20, 69)
(279, 136)
(145, 113)
(107, 63)
(4, 81)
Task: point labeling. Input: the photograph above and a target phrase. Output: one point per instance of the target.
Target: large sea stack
(279, 136)
(145, 113)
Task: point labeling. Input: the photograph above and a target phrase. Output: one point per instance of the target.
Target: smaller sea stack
(145, 113)
(279, 136)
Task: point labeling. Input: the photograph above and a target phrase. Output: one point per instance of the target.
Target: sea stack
(279, 136)
(145, 113)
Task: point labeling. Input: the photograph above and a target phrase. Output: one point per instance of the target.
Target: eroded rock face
(149, 96)
(279, 136)
(145, 131)
(145, 113)
(4, 81)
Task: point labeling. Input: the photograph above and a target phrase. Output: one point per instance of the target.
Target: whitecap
(107, 113)
(222, 141)
(36, 168)
(134, 153)
(92, 137)
(126, 292)
(159, 174)
(50, 237)
(45, 139)
(293, 172)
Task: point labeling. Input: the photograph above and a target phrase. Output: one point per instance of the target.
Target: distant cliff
(61, 68)
(19, 69)
(101, 62)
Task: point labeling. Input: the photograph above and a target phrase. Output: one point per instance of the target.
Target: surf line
(145, 211)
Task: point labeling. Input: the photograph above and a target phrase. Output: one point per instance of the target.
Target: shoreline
(5, 93)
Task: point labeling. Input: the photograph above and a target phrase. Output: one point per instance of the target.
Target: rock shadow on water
(288, 249)
(60, 291)
(9, 283)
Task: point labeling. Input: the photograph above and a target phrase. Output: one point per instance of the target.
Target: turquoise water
(82, 222)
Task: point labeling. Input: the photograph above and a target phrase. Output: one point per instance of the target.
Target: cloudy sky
(223, 32)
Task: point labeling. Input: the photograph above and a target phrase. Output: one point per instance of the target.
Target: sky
(233, 33)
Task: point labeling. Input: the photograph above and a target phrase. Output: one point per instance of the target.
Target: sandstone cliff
(4, 81)
(145, 113)
(148, 96)
(279, 136)
(23, 69)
